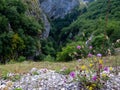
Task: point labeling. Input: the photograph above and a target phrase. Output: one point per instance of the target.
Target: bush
(49, 58)
(102, 44)
(39, 57)
(21, 59)
(72, 52)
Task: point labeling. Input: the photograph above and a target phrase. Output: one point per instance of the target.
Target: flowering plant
(93, 73)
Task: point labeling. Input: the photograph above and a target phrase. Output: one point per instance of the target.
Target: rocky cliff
(34, 10)
(58, 8)
(52, 9)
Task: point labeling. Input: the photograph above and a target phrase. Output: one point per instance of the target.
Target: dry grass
(26, 66)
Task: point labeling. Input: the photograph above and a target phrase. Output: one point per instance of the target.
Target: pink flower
(90, 47)
(89, 55)
(78, 47)
(94, 78)
(100, 66)
(99, 55)
(72, 74)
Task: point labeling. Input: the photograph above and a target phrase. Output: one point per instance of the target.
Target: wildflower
(100, 61)
(72, 74)
(105, 68)
(75, 53)
(95, 59)
(79, 60)
(90, 88)
(99, 55)
(110, 68)
(83, 67)
(104, 74)
(94, 78)
(82, 46)
(89, 55)
(100, 66)
(94, 85)
(78, 47)
(90, 47)
(90, 65)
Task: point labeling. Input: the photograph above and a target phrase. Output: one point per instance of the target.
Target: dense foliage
(53, 44)
(98, 26)
(95, 25)
(19, 33)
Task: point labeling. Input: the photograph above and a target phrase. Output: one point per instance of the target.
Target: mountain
(20, 30)
(35, 11)
(37, 28)
(95, 18)
(59, 8)
(98, 27)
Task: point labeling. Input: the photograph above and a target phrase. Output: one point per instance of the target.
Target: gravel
(44, 79)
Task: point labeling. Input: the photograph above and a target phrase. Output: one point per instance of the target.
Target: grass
(26, 66)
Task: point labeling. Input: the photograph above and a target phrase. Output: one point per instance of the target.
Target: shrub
(49, 58)
(4, 74)
(21, 59)
(101, 43)
(39, 57)
(71, 51)
(91, 75)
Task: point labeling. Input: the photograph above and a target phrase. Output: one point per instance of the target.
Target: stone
(50, 80)
(58, 8)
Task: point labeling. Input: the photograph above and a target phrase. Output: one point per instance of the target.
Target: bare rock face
(35, 11)
(47, 26)
(58, 8)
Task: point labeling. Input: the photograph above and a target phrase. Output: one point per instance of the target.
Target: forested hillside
(93, 23)
(97, 26)
(19, 33)
(59, 44)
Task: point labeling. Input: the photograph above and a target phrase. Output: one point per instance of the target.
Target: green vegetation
(98, 27)
(18, 89)
(19, 33)
(95, 25)
(94, 21)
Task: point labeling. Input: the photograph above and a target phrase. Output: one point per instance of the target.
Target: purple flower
(94, 78)
(89, 55)
(90, 47)
(72, 74)
(105, 68)
(99, 55)
(78, 47)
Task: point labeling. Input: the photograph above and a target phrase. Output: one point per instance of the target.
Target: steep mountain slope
(58, 23)
(99, 26)
(95, 18)
(58, 8)
(34, 10)
(19, 32)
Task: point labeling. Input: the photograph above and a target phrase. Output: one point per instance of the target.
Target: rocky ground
(44, 79)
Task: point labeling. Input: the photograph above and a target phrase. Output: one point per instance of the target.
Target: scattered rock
(50, 80)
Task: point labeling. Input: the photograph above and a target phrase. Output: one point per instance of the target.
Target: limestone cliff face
(52, 9)
(58, 8)
(46, 25)
(33, 9)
